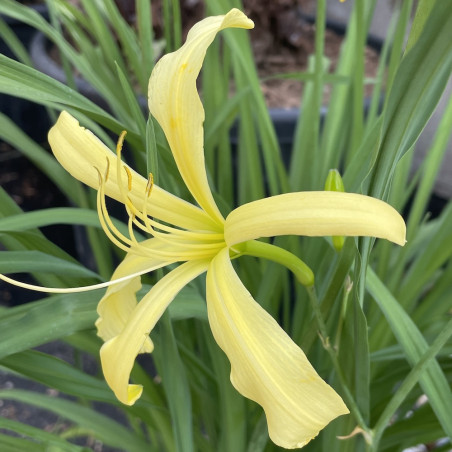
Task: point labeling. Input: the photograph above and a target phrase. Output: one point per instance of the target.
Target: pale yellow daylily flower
(266, 365)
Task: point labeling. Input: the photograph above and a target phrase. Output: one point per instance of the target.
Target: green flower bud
(334, 183)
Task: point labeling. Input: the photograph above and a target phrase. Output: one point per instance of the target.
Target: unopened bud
(334, 183)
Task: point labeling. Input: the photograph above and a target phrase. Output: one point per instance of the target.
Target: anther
(107, 169)
(120, 142)
(119, 167)
(150, 184)
(129, 178)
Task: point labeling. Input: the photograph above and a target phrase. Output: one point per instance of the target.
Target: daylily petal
(175, 103)
(315, 214)
(118, 354)
(266, 365)
(80, 152)
(119, 301)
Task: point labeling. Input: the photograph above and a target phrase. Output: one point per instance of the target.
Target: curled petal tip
(116, 372)
(236, 18)
(133, 394)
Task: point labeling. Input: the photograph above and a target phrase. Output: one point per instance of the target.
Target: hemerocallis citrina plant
(266, 365)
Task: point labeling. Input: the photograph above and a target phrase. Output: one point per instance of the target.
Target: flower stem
(349, 400)
(281, 256)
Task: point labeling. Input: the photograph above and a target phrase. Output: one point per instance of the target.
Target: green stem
(349, 400)
(347, 289)
(274, 253)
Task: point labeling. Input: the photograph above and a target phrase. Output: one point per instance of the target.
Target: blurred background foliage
(387, 309)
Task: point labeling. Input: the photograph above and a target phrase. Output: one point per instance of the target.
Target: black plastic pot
(28, 185)
(23, 31)
(39, 53)
(285, 120)
(31, 117)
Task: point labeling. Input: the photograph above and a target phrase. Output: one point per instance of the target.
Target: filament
(131, 245)
(105, 221)
(192, 245)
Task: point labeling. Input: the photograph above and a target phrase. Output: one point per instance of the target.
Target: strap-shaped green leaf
(29, 240)
(46, 217)
(58, 374)
(175, 384)
(19, 80)
(46, 320)
(36, 261)
(421, 427)
(102, 427)
(41, 439)
(12, 134)
(432, 380)
(10, 443)
(14, 43)
(417, 88)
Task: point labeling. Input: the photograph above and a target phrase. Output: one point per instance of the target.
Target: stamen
(119, 166)
(105, 220)
(131, 244)
(115, 235)
(132, 213)
(144, 216)
(150, 184)
(182, 234)
(151, 224)
(192, 244)
(148, 225)
(140, 225)
(131, 233)
(129, 178)
(120, 142)
(107, 169)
